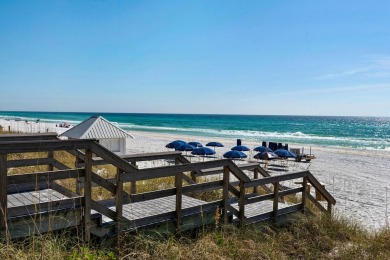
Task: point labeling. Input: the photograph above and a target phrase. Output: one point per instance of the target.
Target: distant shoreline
(351, 132)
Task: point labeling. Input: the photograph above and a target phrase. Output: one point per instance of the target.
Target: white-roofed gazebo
(109, 135)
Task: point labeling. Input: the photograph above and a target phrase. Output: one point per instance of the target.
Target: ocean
(351, 132)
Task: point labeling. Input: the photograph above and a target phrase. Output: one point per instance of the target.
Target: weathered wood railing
(233, 191)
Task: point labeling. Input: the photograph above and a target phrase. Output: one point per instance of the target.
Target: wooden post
(177, 161)
(225, 194)
(276, 201)
(133, 184)
(256, 176)
(3, 191)
(304, 185)
(241, 203)
(193, 176)
(118, 199)
(87, 194)
(50, 155)
(179, 198)
(78, 186)
(329, 208)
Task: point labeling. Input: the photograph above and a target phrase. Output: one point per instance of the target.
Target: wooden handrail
(316, 184)
(44, 145)
(45, 176)
(27, 137)
(167, 171)
(112, 158)
(237, 172)
(133, 157)
(273, 179)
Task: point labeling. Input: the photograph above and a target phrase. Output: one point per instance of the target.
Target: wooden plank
(279, 178)
(188, 179)
(50, 157)
(184, 160)
(28, 162)
(44, 176)
(225, 194)
(78, 154)
(290, 209)
(259, 198)
(179, 198)
(256, 176)
(59, 165)
(24, 187)
(276, 200)
(203, 187)
(315, 202)
(133, 184)
(103, 210)
(166, 171)
(152, 195)
(3, 190)
(103, 183)
(304, 186)
(61, 189)
(263, 172)
(112, 158)
(138, 157)
(88, 194)
(236, 171)
(44, 145)
(329, 209)
(44, 207)
(207, 172)
(258, 218)
(27, 137)
(290, 191)
(241, 203)
(316, 184)
(119, 196)
(233, 190)
(170, 216)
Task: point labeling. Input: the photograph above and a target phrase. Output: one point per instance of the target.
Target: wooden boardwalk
(26, 198)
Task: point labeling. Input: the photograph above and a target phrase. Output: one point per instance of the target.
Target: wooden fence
(236, 186)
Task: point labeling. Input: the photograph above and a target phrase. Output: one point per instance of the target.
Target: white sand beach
(358, 179)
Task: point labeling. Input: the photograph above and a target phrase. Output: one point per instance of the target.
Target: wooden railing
(233, 191)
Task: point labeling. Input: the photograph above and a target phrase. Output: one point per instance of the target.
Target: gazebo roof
(96, 127)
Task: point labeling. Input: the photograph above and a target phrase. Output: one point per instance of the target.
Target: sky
(220, 57)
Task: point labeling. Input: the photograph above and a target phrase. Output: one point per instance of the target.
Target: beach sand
(358, 179)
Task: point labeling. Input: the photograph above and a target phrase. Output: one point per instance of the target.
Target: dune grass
(300, 237)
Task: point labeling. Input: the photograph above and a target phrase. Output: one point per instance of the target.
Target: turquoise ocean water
(353, 132)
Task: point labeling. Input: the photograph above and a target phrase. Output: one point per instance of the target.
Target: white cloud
(374, 66)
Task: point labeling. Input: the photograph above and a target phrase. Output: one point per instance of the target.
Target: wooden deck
(35, 203)
(29, 203)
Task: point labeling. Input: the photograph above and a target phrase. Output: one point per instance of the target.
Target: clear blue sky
(232, 57)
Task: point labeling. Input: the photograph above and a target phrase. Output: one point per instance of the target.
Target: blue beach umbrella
(174, 144)
(195, 144)
(261, 149)
(234, 155)
(266, 156)
(203, 151)
(285, 153)
(184, 147)
(214, 144)
(241, 148)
